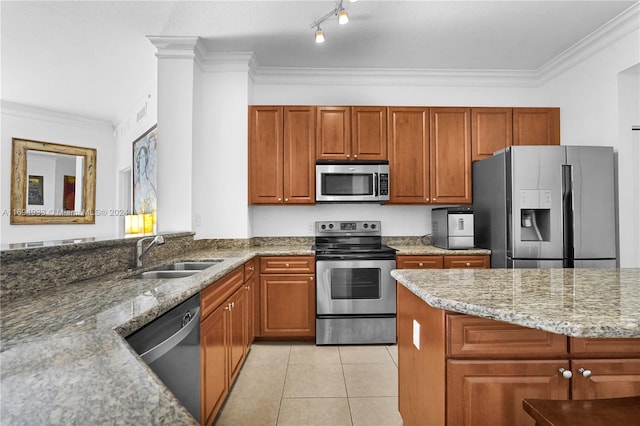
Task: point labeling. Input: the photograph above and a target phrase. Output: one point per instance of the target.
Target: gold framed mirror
(52, 183)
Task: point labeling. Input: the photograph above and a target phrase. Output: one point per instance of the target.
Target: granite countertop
(420, 249)
(573, 302)
(64, 359)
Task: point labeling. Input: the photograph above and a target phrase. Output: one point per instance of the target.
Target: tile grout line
(283, 386)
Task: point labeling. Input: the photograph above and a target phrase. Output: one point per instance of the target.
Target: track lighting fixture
(338, 11)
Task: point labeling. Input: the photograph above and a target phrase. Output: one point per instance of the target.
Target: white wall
(592, 104)
(29, 123)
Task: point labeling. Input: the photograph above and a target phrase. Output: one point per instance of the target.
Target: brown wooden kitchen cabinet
(450, 155)
(429, 155)
(491, 131)
(536, 126)
(351, 133)
(442, 262)
(467, 370)
(408, 152)
(287, 297)
(282, 154)
(223, 340)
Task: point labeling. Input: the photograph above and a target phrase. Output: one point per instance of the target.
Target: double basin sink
(178, 269)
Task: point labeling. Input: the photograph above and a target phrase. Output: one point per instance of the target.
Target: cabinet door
(287, 264)
(491, 131)
(450, 155)
(607, 378)
(536, 126)
(466, 262)
(369, 133)
(265, 155)
(238, 333)
(288, 305)
(214, 378)
(490, 393)
(419, 262)
(333, 133)
(408, 155)
(250, 287)
(299, 155)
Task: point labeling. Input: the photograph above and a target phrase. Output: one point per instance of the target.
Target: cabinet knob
(567, 374)
(420, 264)
(586, 373)
(434, 199)
(286, 265)
(247, 287)
(286, 200)
(279, 199)
(355, 156)
(468, 263)
(311, 278)
(228, 307)
(348, 156)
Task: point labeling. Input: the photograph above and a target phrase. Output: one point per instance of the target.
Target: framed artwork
(145, 172)
(36, 190)
(69, 193)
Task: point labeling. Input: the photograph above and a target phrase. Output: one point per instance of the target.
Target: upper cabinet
(282, 154)
(408, 155)
(450, 155)
(491, 131)
(351, 133)
(536, 126)
(429, 155)
(494, 129)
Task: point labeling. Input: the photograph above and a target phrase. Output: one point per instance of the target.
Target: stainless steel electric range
(355, 293)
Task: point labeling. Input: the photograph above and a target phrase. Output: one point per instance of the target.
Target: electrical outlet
(310, 227)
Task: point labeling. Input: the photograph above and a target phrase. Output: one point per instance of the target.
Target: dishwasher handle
(175, 339)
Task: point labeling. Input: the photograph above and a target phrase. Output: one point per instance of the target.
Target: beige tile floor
(302, 384)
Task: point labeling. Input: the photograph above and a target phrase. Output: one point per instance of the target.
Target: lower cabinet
(462, 370)
(224, 340)
(287, 297)
(440, 262)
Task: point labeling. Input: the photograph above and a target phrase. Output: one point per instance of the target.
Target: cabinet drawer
(472, 337)
(212, 296)
(610, 347)
(287, 265)
(419, 262)
(249, 269)
(452, 262)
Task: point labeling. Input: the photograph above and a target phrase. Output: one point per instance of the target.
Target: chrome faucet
(140, 252)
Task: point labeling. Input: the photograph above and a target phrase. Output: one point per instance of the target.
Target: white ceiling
(92, 58)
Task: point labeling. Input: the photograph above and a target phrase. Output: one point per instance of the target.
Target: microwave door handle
(375, 184)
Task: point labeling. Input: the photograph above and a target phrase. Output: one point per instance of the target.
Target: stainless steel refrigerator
(547, 207)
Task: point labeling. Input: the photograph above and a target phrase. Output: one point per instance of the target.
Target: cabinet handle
(585, 373)
(567, 374)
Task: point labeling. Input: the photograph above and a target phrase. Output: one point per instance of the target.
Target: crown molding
(58, 117)
(175, 47)
(227, 62)
(614, 30)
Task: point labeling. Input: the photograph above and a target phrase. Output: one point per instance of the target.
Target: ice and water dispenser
(535, 214)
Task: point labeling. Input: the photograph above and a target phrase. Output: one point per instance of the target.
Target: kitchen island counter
(573, 302)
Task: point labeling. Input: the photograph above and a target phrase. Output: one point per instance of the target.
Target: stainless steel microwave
(352, 181)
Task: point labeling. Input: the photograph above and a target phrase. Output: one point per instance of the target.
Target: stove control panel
(348, 227)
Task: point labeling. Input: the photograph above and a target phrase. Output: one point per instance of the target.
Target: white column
(176, 63)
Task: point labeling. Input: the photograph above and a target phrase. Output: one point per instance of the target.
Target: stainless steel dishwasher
(170, 345)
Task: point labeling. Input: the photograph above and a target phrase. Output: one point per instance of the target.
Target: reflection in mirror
(52, 183)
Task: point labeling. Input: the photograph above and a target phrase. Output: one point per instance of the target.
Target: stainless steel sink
(178, 269)
(191, 265)
(165, 274)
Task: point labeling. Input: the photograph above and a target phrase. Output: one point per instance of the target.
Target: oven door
(355, 287)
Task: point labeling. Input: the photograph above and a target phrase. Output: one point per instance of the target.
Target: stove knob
(365, 226)
(323, 227)
(331, 226)
(373, 226)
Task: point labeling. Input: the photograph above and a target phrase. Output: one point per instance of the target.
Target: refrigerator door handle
(567, 215)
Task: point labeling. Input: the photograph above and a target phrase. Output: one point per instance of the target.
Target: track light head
(319, 35)
(343, 18)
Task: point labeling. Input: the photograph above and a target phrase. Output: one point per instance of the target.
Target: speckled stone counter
(425, 250)
(63, 357)
(573, 302)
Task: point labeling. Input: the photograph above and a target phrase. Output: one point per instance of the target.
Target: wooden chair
(592, 412)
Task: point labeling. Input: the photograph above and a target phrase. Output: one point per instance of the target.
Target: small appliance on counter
(452, 227)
